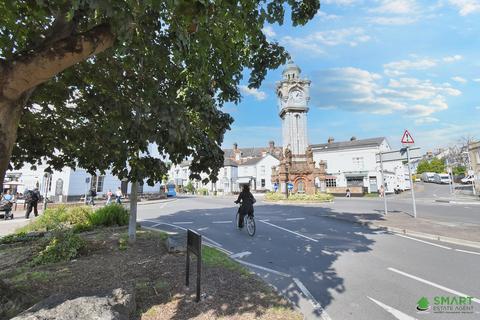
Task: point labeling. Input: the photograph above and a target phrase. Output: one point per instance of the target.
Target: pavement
(328, 267)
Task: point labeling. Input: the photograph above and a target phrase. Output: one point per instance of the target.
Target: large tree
(210, 40)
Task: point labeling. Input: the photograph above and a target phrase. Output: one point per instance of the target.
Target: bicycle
(248, 222)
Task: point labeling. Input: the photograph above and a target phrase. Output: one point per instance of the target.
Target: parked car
(468, 179)
(428, 176)
(442, 178)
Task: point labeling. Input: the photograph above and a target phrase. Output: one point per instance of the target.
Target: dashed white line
(323, 314)
(295, 233)
(396, 313)
(466, 251)
(433, 284)
(263, 268)
(240, 255)
(423, 241)
(183, 222)
(229, 221)
(294, 219)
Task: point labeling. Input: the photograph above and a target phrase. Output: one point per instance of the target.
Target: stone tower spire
(293, 96)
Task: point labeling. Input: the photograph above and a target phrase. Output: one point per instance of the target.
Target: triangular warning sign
(407, 138)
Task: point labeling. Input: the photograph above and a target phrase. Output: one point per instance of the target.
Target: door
(373, 184)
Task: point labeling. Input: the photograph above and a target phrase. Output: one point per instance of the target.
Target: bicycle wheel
(235, 222)
(250, 222)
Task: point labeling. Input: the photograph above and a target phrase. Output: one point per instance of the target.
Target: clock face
(296, 96)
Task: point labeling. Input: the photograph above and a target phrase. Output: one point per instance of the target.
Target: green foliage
(458, 170)
(173, 66)
(15, 237)
(123, 242)
(318, 197)
(215, 258)
(202, 191)
(434, 165)
(189, 187)
(63, 246)
(112, 215)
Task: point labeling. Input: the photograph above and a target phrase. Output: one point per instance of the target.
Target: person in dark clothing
(247, 200)
(91, 195)
(31, 198)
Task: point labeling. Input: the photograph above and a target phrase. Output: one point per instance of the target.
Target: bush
(112, 215)
(318, 197)
(63, 246)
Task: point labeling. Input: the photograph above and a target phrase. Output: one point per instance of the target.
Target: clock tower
(293, 97)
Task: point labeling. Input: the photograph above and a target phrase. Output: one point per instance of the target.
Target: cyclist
(247, 200)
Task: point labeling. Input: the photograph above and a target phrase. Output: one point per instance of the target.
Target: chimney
(353, 138)
(330, 140)
(235, 146)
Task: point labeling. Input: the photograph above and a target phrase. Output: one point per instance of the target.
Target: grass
(371, 195)
(24, 277)
(123, 242)
(215, 258)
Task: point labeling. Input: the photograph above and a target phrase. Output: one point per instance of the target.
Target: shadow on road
(309, 261)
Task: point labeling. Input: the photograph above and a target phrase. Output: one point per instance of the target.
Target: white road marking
(295, 233)
(423, 241)
(294, 219)
(263, 268)
(323, 314)
(202, 229)
(210, 240)
(203, 236)
(156, 225)
(396, 313)
(183, 222)
(466, 251)
(172, 225)
(433, 284)
(229, 221)
(240, 255)
(328, 253)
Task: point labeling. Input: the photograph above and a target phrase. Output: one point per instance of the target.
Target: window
(358, 163)
(96, 182)
(301, 186)
(354, 181)
(262, 183)
(331, 182)
(262, 170)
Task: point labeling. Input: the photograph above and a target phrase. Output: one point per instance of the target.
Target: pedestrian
(118, 196)
(348, 195)
(382, 191)
(31, 199)
(91, 196)
(109, 196)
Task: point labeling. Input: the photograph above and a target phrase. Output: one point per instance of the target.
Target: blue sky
(377, 67)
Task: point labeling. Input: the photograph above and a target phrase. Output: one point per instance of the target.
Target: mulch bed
(156, 276)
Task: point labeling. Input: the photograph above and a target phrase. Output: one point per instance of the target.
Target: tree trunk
(10, 112)
(132, 225)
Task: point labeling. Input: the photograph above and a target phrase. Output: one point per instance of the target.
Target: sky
(377, 67)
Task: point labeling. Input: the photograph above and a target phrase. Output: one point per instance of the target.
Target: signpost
(407, 153)
(407, 140)
(194, 245)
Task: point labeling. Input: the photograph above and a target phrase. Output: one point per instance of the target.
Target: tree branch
(29, 70)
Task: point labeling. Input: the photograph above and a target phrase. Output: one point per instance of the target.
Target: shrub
(112, 215)
(318, 197)
(63, 246)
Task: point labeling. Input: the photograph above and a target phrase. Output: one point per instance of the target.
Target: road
(331, 269)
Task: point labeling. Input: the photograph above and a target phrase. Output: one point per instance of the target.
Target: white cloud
(476, 80)
(477, 107)
(257, 94)
(459, 79)
(268, 31)
(396, 7)
(393, 21)
(325, 16)
(317, 41)
(398, 67)
(466, 7)
(456, 57)
(355, 89)
(425, 120)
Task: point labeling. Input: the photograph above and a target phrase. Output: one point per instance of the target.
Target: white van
(428, 176)
(468, 179)
(442, 178)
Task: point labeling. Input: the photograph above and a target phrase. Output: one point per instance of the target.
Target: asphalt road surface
(332, 269)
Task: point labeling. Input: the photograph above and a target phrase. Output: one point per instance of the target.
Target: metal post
(412, 187)
(383, 184)
(450, 175)
(187, 271)
(199, 272)
(286, 181)
(470, 168)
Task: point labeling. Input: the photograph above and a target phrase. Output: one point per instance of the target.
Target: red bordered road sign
(407, 138)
